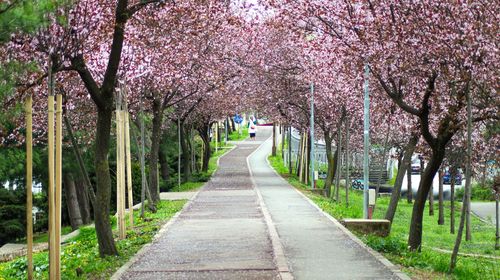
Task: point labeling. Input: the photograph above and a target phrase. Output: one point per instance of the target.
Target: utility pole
(312, 137)
(366, 145)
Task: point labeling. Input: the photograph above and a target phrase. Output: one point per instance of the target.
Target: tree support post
(129, 168)
(29, 184)
(120, 169)
(273, 153)
(51, 169)
(313, 181)
(58, 179)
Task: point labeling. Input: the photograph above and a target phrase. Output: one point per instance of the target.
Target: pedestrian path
(221, 234)
(250, 224)
(484, 210)
(315, 246)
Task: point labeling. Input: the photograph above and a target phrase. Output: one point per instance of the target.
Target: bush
(200, 177)
(12, 215)
(478, 192)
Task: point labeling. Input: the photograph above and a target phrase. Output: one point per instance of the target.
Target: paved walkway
(232, 230)
(485, 210)
(315, 246)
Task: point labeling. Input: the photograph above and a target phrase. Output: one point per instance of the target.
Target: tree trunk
(441, 203)
(75, 217)
(466, 198)
(164, 168)
(339, 161)
(205, 137)
(282, 143)
(103, 194)
(83, 202)
(468, 170)
(155, 147)
(330, 159)
(233, 125)
(409, 193)
(273, 151)
(415, 238)
(452, 201)
(300, 157)
(431, 192)
(229, 129)
(454, 254)
(186, 154)
(347, 181)
(76, 149)
(396, 191)
(383, 166)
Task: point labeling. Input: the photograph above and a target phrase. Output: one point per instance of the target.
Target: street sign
(238, 119)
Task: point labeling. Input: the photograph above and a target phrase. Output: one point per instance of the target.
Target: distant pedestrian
(252, 128)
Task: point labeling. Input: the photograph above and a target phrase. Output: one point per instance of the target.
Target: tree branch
(79, 65)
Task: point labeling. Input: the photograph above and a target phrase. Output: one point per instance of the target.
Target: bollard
(371, 202)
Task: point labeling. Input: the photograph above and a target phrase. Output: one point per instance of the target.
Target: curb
(393, 268)
(278, 253)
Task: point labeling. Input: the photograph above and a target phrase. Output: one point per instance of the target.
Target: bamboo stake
(29, 184)
(129, 169)
(51, 190)
(58, 179)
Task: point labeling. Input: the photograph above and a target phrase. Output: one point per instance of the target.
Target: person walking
(252, 128)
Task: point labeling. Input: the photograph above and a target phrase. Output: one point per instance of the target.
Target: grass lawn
(41, 237)
(80, 257)
(429, 263)
(236, 136)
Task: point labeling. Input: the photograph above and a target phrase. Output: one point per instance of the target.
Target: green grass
(428, 263)
(236, 136)
(44, 236)
(80, 257)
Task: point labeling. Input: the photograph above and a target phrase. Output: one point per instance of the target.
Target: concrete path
(485, 210)
(315, 246)
(221, 234)
(234, 230)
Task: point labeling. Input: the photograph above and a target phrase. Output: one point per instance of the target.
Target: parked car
(415, 165)
(447, 178)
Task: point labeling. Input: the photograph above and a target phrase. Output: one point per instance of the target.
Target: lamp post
(312, 137)
(366, 144)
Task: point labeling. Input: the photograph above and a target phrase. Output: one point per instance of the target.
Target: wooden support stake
(51, 169)
(29, 184)
(217, 136)
(119, 171)
(58, 179)
(129, 169)
(122, 174)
